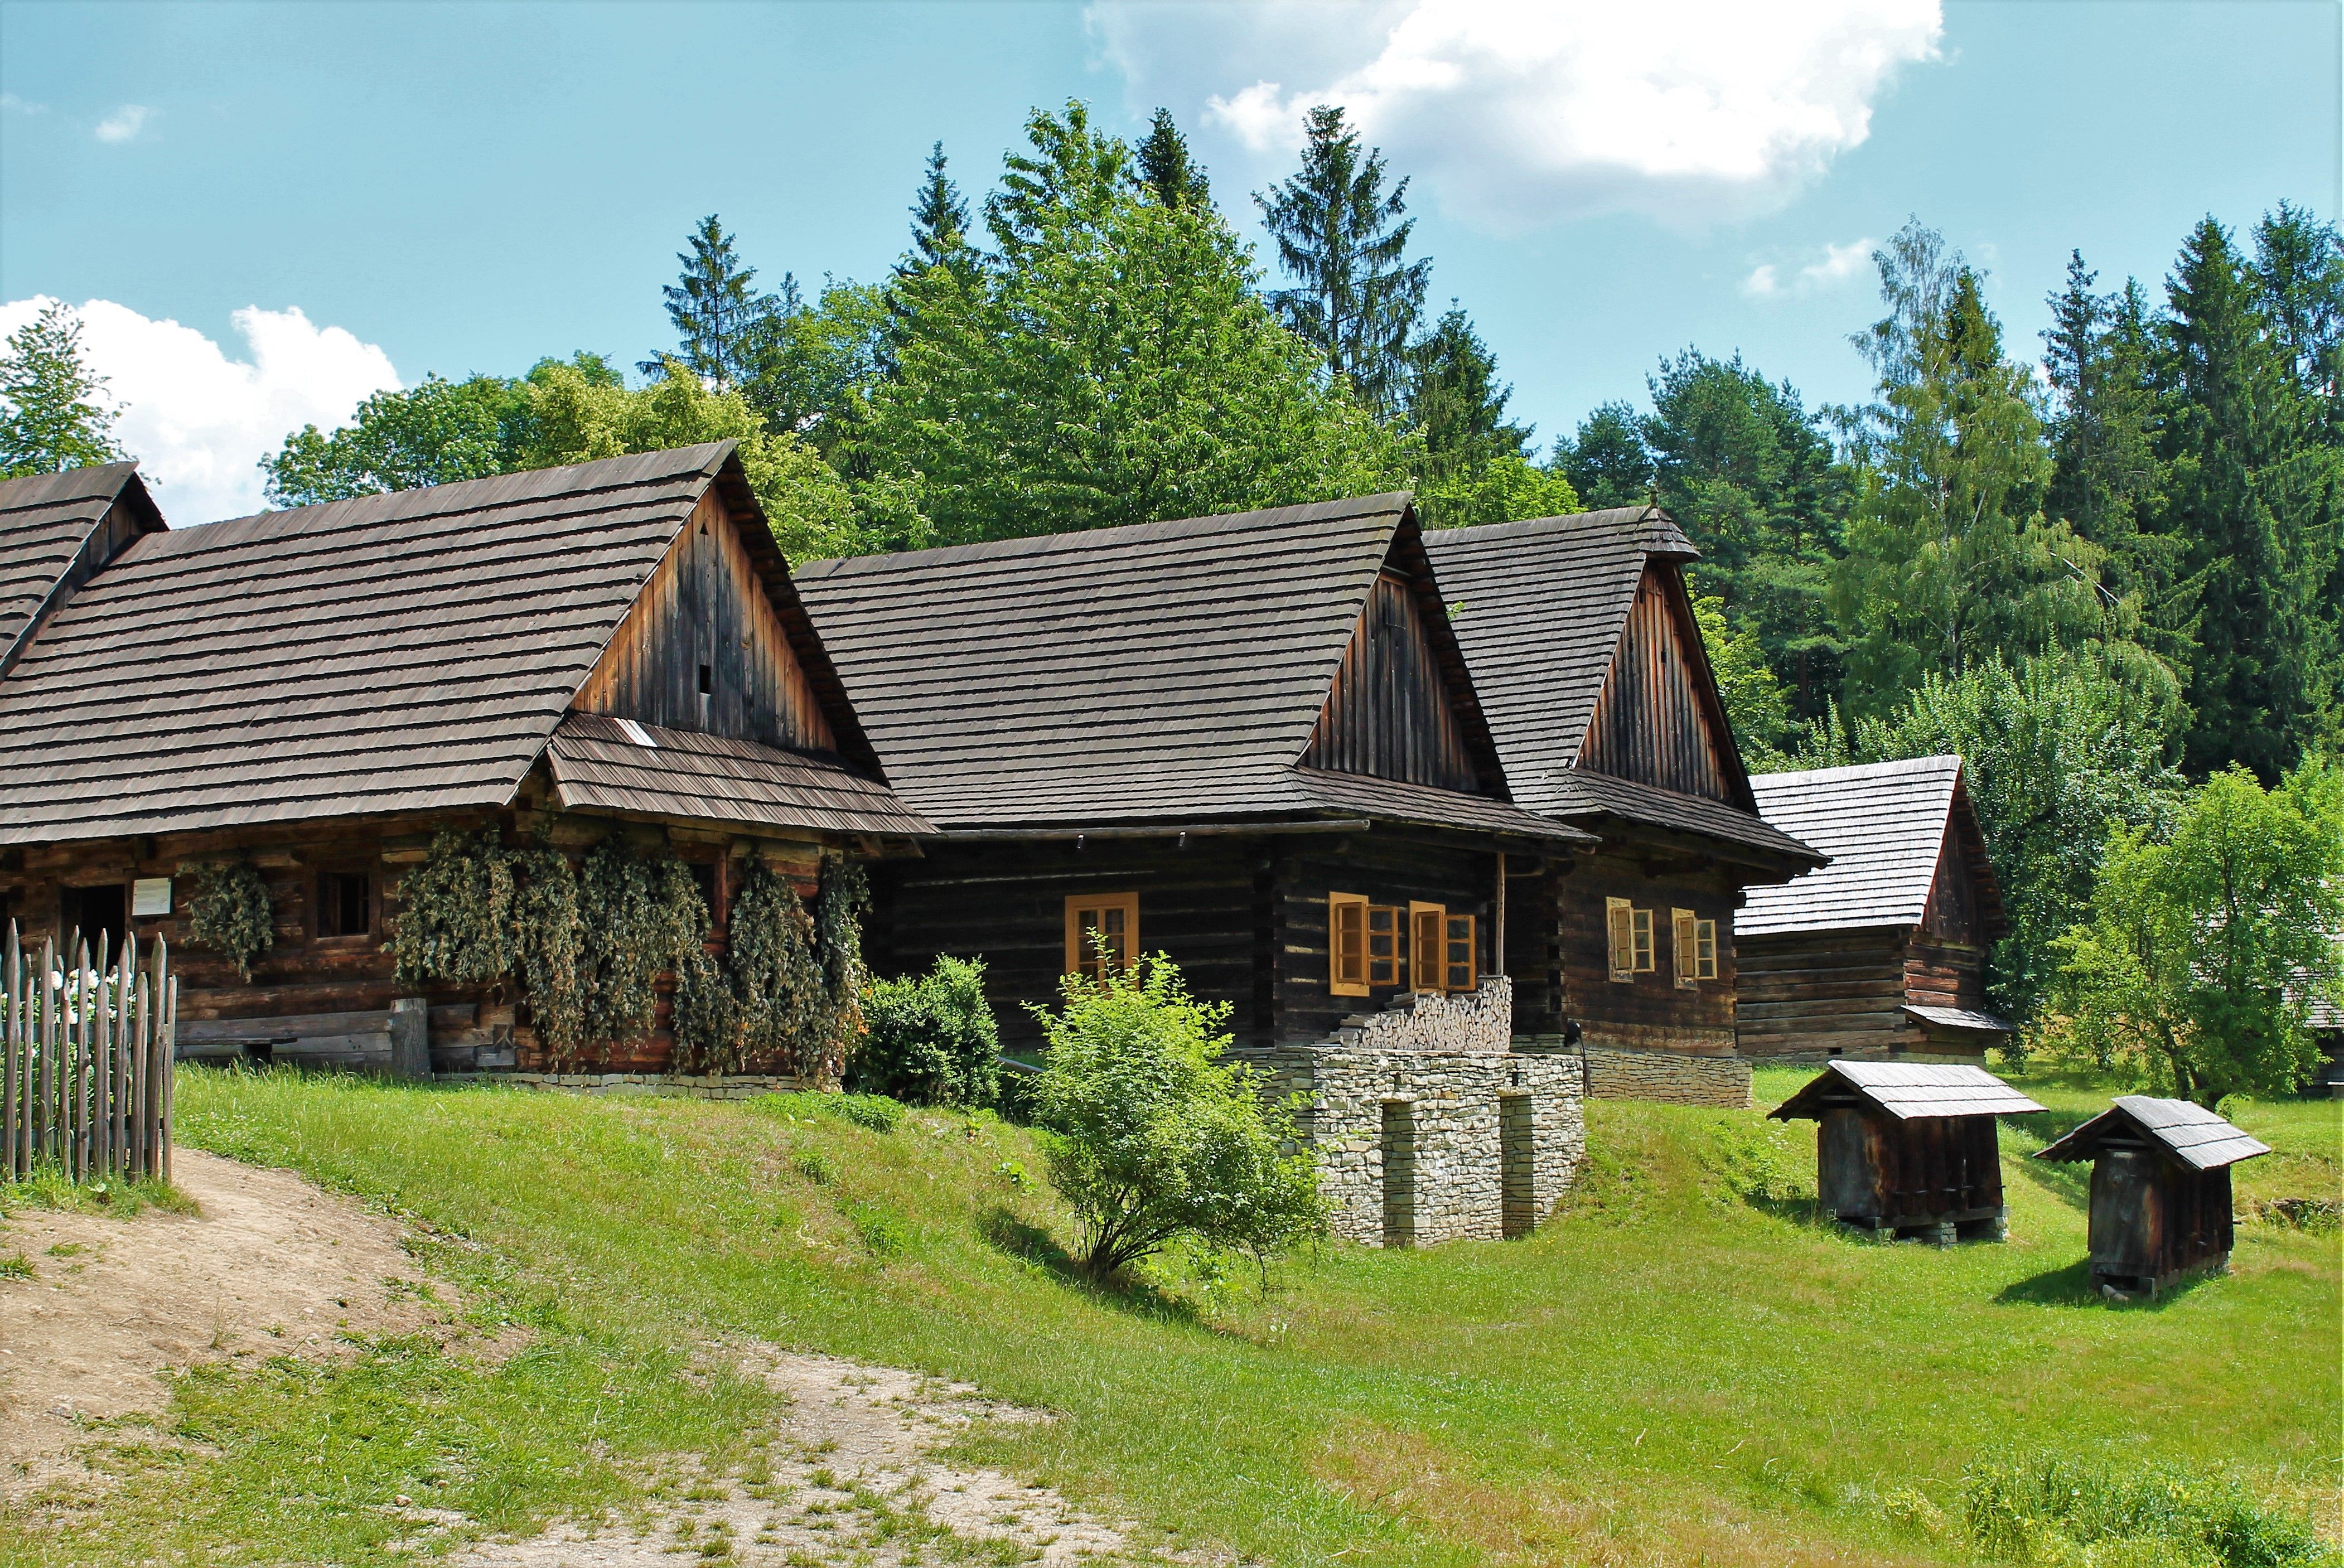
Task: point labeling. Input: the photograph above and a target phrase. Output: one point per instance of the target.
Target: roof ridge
(1078, 540)
(1859, 770)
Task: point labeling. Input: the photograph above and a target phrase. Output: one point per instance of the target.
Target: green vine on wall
(586, 945)
(231, 913)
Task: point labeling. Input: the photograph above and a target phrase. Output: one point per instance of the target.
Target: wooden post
(134, 1044)
(12, 1040)
(410, 1038)
(1498, 921)
(168, 1048)
(45, 1111)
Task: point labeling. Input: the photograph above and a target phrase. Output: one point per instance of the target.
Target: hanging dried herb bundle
(776, 972)
(231, 913)
(455, 913)
(838, 912)
(548, 944)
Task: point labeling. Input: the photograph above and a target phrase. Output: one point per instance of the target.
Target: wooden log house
(1249, 742)
(1602, 703)
(1909, 1146)
(1883, 952)
(2160, 1202)
(609, 648)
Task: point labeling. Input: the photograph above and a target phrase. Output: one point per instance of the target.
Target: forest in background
(2104, 575)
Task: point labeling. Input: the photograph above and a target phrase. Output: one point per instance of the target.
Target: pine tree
(2259, 521)
(1607, 461)
(1166, 171)
(53, 412)
(715, 309)
(1345, 239)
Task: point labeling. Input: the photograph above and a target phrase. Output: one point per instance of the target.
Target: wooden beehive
(1909, 1146)
(2161, 1189)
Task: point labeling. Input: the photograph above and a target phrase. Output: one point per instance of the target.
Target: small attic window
(707, 680)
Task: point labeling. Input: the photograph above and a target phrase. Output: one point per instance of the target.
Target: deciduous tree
(54, 414)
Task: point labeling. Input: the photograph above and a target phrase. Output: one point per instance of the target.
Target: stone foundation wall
(1418, 1113)
(1668, 1077)
(715, 1086)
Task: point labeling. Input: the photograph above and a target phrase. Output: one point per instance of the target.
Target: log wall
(1245, 917)
(327, 1001)
(1559, 952)
(1844, 992)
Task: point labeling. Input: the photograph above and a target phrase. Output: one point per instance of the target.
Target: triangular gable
(1400, 705)
(1966, 895)
(57, 531)
(1658, 719)
(705, 647)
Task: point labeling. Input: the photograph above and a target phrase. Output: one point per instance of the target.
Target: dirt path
(270, 1266)
(850, 1476)
(273, 1266)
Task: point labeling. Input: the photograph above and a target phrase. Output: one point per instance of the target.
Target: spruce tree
(52, 409)
(1344, 238)
(1454, 397)
(1165, 172)
(939, 219)
(2106, 478)
(2299, 277)
(715, 308)
(1741, 464)
(2259, 522)
(1606, 460)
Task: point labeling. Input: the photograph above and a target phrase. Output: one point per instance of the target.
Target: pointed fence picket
(85, 1050)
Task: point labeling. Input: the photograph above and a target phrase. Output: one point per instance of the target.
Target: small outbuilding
(1883, 952)
(2161, 1189)
(1909, 1146)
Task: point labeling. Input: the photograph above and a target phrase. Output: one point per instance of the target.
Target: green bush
(2055, 1511)
(930, 1038)
(231, 913)
(1152, 1137)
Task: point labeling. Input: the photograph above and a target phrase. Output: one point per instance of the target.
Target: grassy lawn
(1682, 1367)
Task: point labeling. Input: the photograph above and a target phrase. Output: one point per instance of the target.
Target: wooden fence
(85, 1062)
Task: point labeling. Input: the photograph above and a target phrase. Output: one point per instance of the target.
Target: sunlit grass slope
(1681, 1366)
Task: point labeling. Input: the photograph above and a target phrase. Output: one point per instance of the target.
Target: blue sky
(445, 187)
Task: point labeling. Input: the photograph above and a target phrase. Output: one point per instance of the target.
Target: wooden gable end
(703, 649)
(1966, 895)
(1391, 712)
(1658, 719)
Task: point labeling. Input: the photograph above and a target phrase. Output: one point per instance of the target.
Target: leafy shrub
(231, 913)
(2056, 1511)
(930, 1038)
(1152, 1137)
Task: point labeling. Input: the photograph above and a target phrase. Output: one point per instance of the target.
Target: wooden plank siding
(1391, 712)
(1654, 722)
(705, 610)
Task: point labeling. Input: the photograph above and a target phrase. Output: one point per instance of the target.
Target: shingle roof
(1540, 607)
(44, 521)
(2189, 1132)
(1883, 825)
(1959, 1018)
(1907, 1091)
(1162, 671)
(391, 653)
(609, 764)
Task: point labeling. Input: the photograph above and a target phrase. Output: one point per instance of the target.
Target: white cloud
(10, 101)
(1517, 112)
(198, 421)
(123, 123)
(1837, 264)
